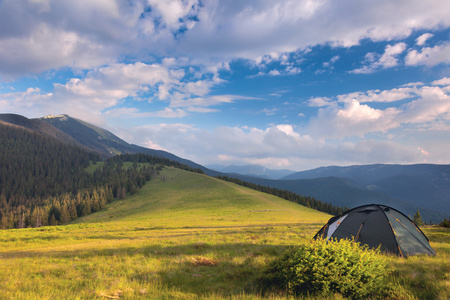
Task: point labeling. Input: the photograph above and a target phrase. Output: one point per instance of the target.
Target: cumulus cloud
(442, 81)
(351, 119)
(347, 116)
(39, 35)
(378, 95)
(105, 88)
(389, 59)
(420, 41)
(429, 56)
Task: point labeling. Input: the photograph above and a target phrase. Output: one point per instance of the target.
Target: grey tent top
(378, 226)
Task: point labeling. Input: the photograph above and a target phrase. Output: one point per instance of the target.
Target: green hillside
(179, 199)
(182, 236)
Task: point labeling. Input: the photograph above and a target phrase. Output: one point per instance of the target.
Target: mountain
(93, 137)
(41, 127)
(90, 137)
(252, 170)
(423, 185)
(345, 192)
(108, 144)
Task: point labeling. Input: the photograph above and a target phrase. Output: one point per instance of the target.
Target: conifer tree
(73, 211)
(21, 223)
(38, 222)
(65, 216)
(418, 218)
(52, 220)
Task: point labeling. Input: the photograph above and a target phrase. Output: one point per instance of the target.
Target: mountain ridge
(83, 134)
(252, 170)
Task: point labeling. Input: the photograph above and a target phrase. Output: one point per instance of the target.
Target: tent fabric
(378, 226)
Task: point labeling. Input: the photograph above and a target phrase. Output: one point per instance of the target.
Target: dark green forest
(44, 182)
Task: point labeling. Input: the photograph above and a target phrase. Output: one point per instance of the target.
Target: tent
(378, 225)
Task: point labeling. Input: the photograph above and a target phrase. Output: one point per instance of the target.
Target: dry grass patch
(203, 261)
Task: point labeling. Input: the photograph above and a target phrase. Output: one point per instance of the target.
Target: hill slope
(183, 199)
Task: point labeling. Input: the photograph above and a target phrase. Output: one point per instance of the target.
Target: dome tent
(378, 225)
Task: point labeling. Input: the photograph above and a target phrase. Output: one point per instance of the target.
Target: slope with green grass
(183, 236)
(180, 199)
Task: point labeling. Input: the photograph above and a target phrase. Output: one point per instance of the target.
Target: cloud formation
(328, 138)
(347, 115)
(41, 35)
(301, 77)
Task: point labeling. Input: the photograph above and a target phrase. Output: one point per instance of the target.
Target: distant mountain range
(252, 170)
(406, 187)
(423, 187)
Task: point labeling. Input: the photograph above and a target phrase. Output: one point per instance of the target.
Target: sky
(286, 84)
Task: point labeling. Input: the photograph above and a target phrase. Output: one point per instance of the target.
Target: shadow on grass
(197, 268)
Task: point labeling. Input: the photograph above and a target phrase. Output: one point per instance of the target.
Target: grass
(188, 236)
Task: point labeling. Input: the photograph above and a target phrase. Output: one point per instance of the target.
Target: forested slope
(45, 182)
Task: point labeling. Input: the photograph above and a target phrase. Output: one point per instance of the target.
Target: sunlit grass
(171, 241)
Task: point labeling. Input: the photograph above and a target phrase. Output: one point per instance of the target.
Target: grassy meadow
(183, 236)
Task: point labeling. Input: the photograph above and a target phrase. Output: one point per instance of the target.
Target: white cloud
(331, 61)
(389, 59)
(432, 105)
(421, 40)
(352, 119)
(50, 48)
(274, 147)
(106, 87)
(269, 111)
(378, 96)
(387, 96)
(37, 36)
(332, 137)
(267, 28)
(133, 113)
(173, 11)
(319, 101)
(199, 102)
(429, 56)
(442, 81)
(346, 116)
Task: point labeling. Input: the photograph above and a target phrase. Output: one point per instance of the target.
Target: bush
(325, 268)
(445, 223)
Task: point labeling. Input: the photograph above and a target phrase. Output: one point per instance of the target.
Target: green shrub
(445, 223)
(326, 268)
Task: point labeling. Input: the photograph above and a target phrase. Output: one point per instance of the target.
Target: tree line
(290, 196)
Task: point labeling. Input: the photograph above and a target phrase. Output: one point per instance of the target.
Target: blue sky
(285, 84)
